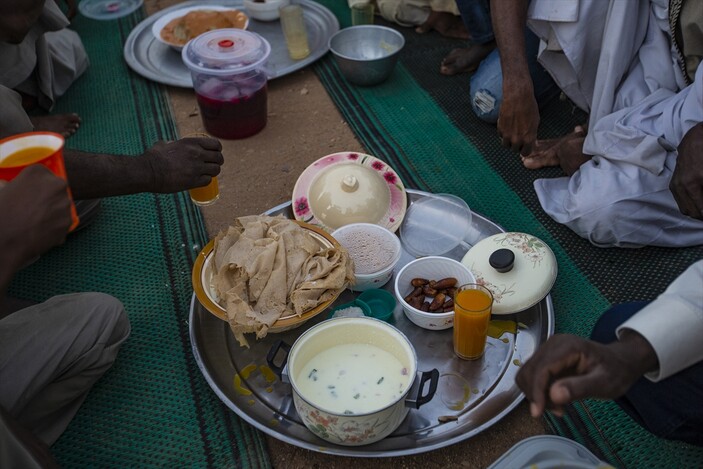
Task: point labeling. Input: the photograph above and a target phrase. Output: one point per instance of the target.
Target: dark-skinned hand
(184, 164)
(37, 213)
(568, 368)
(686, 183)
(518, 119)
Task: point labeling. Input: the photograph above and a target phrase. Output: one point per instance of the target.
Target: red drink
(238, 117)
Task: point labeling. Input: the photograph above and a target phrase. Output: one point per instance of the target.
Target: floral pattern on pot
(351, 430)
(530, 279)
(398, 198)
(533, 248)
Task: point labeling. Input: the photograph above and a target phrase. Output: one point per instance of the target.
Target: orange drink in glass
(205, 195)
(472, 313)
(44, 148)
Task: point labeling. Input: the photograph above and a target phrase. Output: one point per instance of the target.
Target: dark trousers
(671, 408)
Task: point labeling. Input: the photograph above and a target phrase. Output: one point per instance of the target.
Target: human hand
(184, 164)
(568, 368)
(38, 213)
(686, 183)
(518, 118)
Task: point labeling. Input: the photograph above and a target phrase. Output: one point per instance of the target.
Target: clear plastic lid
(108, 9)
(226, 51)
(435, 225)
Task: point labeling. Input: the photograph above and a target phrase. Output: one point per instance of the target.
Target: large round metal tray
(159, 62)
(241, 379)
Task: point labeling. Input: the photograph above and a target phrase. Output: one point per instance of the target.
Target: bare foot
(444, 23)
(64, 124)
(565, 152)
(466, 59)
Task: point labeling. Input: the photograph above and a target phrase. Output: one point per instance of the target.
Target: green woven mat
(421, 123)
(153, 408)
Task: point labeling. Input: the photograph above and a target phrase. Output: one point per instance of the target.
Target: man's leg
(669, 408)
(52, 353)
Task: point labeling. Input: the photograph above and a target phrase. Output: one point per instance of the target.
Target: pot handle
(271, 355)
(433, 377)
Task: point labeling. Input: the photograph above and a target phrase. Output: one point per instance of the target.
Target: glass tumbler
(473, 304)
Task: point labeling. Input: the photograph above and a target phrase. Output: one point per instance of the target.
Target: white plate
(160, 23)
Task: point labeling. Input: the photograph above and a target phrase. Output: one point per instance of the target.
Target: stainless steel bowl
(366, 54)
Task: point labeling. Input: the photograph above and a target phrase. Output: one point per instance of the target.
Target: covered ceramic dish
(349, 187)
(518, 268)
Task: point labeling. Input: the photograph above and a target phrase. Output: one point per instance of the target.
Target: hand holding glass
(208, 194)
(45, 148)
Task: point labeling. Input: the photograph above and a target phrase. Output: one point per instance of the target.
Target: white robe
(44, 65)
(673, 324)
(630, 83)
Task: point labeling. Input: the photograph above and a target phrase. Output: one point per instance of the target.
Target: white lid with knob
(518, 268)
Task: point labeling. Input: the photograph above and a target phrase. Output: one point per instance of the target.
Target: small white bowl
(430, 268)
(266, 10)
(161, 23)
(367, 242)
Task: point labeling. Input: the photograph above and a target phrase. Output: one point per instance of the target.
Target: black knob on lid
(502, 260)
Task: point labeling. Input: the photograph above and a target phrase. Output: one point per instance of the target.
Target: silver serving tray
(237, 377)
(159, 62)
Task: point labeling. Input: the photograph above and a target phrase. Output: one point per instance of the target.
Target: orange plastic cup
(473, 304)
(45, 148)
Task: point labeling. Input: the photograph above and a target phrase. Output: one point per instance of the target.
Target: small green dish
(381, 302)
(356, 303)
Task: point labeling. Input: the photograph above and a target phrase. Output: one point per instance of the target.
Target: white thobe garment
(45, 64)
(629, 83)
(673, 324)
(409, 12)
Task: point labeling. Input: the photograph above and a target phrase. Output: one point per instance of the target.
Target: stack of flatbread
(268, 267)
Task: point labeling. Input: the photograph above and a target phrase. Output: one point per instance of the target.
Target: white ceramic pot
(340, 427)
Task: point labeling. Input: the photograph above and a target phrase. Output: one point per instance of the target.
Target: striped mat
(152, 408)
(421, 123)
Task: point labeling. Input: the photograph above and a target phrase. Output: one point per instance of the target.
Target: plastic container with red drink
(229, 77)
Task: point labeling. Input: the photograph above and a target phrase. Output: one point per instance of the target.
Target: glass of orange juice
(208, 194)
(473, 304)
(45, 148)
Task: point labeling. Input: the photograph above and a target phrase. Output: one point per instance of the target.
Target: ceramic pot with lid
(227, 67)
(349, 187)
(518, 268)
(375, 393)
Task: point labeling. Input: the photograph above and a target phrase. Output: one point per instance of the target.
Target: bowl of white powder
(375, 251)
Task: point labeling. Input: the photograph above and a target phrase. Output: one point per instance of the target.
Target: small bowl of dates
(425, 289)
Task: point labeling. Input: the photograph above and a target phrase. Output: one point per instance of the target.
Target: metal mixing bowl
(366, 54)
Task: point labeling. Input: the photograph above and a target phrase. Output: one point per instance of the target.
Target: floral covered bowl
(518, 268)
(349, 187)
